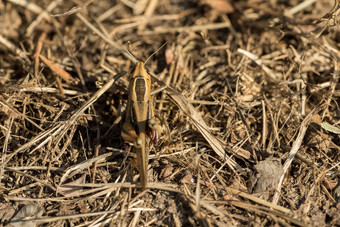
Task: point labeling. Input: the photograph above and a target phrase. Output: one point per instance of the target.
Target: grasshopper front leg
(156, 129)
(154, 123)
(130, 136)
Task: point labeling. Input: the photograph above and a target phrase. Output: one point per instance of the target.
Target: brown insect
(140, 122)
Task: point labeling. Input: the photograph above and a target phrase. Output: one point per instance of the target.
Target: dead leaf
(222, 6)
(166, 172)
(205, 183)
(316, 118)
(6, 211)
(187, 179)
(319, 140)
(71, 189)
(330, 128)
(268, 175)
(330, 183)
(27, 211)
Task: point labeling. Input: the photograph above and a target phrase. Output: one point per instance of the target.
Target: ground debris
(242, 77)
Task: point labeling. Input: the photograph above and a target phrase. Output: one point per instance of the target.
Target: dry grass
(251, 112)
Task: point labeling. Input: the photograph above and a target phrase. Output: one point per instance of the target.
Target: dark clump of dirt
(248, 130)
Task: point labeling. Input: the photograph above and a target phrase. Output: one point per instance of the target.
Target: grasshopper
(140, 121)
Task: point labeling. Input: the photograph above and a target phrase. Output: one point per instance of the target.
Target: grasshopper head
(140, 71)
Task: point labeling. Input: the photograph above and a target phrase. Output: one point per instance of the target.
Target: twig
(195, 28)
(74, 9)
(11, 47)
(49, 90)
(296, 145)
(37, 53)
(301, 6)
(28, 5)
(148, 12)
(165, 17)
(8, 134)
(259, 62)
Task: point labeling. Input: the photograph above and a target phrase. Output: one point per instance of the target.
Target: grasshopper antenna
(154, 53)
(129, 53)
